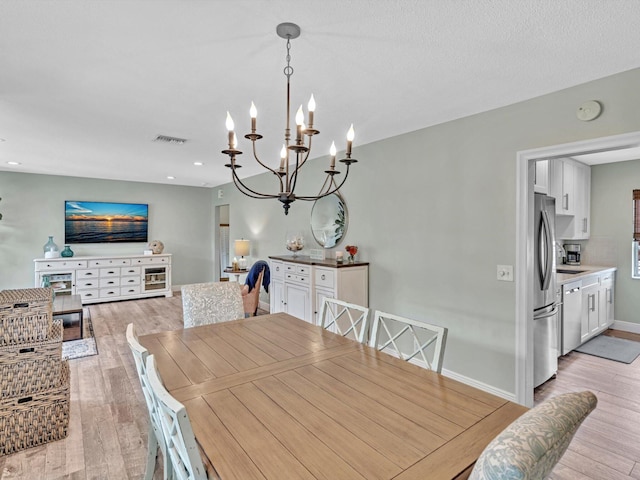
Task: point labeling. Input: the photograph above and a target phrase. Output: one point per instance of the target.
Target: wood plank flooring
(607, 445)
(108, 431)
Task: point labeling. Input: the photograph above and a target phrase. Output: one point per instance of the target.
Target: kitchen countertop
(585, 271)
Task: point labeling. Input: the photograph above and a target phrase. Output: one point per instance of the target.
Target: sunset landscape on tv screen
(104, 222)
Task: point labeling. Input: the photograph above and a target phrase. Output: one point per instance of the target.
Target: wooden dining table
(274, 397)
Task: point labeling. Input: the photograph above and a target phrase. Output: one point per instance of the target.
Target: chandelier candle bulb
(254, 113)
(350, 136)
(230, 127)
(283, 156)
(332, 152)
(312, 107)
(299, 123)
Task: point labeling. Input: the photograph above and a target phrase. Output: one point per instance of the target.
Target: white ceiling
(87, 85)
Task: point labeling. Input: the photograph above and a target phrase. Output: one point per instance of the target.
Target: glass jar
(295, 242)
(50, 249)
(67, 252)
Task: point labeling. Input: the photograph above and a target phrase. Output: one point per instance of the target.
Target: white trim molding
(524, 239)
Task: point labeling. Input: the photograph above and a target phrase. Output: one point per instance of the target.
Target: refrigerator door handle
(550, 313)
(545, 252)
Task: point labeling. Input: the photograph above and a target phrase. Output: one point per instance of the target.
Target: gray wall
(434, 212)
(33, 208)
(612, 231)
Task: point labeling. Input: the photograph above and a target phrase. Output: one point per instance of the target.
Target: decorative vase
(50, 249)
(351, 250)
(67, 252)
(295, 242)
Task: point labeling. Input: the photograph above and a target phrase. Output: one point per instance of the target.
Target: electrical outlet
(220, 193)
(505, 273)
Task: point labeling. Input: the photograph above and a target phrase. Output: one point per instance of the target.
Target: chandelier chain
(288, 70)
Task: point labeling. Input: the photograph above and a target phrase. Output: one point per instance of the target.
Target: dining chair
(395, 335)
(183, 451)
(155, 439)
(532, 445)
(251, 298)
(346, 319)
(204, 303)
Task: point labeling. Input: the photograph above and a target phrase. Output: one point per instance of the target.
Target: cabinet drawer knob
(323, 276)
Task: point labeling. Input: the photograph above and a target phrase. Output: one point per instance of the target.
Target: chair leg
(152, 454)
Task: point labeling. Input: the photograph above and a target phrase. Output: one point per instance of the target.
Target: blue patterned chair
(531, 446)
(204, 303)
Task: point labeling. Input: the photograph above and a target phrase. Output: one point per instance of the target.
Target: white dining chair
(397, 335)
(155, 438)
(533, 444)
(183, 451)
(346, 319)
(204, 303)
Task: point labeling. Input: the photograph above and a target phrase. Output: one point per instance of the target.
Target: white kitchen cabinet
(590, 308)
(570, 185)
(541, 177)
(561, 185)
(607, 300)
(103, 279)
(298, 286)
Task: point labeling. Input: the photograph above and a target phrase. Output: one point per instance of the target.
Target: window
(635, 257)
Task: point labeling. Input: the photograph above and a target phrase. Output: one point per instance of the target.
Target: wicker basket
(30, 421)
(31, 367)
(25, 315)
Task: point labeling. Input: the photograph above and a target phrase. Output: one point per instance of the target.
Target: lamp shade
(242, 247)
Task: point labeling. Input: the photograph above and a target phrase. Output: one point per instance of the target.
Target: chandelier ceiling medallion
(299, 149)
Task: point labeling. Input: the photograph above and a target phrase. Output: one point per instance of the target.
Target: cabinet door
(590, 312)
(297, 301)
(276, 297)
(541, 178)
(606, 301)
(561, 185)
(320, 295)
(582, 191)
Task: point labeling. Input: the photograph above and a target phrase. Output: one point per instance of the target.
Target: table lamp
(242, 248)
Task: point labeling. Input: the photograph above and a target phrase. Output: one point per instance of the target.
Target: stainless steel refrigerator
(545, 300)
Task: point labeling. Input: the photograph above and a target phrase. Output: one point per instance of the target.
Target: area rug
(612, 348)
(86, 346)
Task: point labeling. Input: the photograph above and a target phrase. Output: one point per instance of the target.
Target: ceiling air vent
(167, 139)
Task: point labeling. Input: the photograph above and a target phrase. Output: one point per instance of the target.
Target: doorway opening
(525, 173)
(221, 254)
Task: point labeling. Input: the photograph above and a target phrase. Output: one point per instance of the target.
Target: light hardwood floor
(108, 431)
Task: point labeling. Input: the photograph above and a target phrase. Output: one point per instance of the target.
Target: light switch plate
(505, 273)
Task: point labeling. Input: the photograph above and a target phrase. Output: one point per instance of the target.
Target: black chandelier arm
(293, 178)
(328, 192)
(244, 189)
(255, 155)
(275, 172)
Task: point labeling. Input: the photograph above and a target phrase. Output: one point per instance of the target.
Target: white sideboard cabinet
(299, 285)
(104, 279)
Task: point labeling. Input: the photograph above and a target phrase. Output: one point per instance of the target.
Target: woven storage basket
(30, 421)
(31, 367)
(25, 315)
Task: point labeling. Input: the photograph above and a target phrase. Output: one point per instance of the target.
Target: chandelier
(297, 149)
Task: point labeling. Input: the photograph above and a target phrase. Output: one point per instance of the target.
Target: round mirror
(329, 220)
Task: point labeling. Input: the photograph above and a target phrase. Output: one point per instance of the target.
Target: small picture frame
(316, 254)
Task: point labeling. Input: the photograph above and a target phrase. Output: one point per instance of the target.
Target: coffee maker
(573, 253)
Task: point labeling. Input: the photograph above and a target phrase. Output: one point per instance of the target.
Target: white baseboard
(469, 381)
(264, 306)
(479, 385)
(626, 326)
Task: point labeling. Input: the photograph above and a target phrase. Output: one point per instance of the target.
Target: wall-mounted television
(104, 222)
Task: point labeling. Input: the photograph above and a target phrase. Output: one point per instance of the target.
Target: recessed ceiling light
(198, 164)
(14, 163)
(170, 177)
(2, 140)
